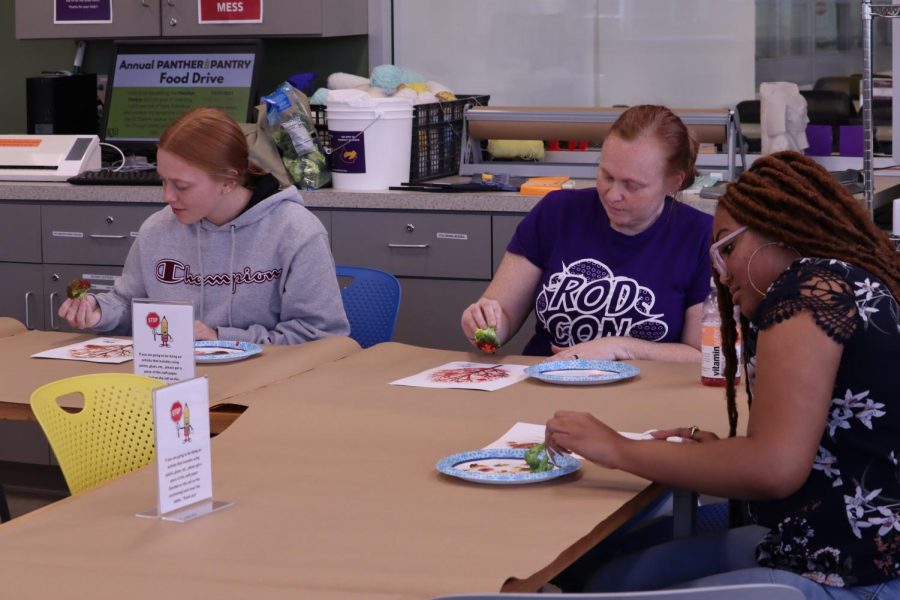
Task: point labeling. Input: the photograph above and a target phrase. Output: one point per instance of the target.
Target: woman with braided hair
(817, 285)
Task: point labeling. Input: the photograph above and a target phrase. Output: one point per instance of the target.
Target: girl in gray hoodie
(253, 260)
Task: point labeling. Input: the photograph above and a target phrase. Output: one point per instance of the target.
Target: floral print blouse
(842, 528)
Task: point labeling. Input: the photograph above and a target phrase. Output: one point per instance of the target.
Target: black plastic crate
(436, 136)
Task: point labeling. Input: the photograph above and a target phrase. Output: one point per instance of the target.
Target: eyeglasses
(715, 254)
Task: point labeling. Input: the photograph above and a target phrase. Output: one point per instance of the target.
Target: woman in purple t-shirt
(614, 272)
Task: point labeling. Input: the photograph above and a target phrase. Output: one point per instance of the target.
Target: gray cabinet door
(325, 217)
(414, 244)
(23, 442)
(20, 233)
(57, 277)
(280, 17)
(21, 296)
(502, 229)
(91, 235)
(430, 310)
(130, 18)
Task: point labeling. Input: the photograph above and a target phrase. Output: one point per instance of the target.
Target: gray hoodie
(268, 276)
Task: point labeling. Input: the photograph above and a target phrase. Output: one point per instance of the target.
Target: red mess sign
(231, 11)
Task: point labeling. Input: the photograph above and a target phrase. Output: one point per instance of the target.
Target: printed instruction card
(181, 422)
(163, 335)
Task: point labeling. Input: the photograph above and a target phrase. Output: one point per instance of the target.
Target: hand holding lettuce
(538, 459)
(294, 133)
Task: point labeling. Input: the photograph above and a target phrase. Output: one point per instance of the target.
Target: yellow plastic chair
(113, 433)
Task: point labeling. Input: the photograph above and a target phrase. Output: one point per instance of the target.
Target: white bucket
(370, 142)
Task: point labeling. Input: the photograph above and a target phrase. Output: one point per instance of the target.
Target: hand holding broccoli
(538, 459)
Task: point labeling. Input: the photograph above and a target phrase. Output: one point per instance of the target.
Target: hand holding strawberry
(78, 289)
(486, 340)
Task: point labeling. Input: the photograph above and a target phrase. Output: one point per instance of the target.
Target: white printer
(47, 157)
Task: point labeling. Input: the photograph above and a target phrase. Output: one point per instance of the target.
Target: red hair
(212, 141)
(661, 123)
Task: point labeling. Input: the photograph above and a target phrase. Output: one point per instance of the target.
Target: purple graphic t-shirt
(599, 282)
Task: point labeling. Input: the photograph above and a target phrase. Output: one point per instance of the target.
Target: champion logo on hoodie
(172, 272)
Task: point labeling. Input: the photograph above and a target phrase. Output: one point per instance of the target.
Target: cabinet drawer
(91, 235)
(414, 244)
(20, 233)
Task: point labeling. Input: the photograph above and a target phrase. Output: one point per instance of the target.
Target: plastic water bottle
(712, 368)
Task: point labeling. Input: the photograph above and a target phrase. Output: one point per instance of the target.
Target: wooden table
(21, 375)
(333, 476)
(10, 326)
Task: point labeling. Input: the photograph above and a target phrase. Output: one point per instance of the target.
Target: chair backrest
(827, 107)
(751, 591)
(372, 302)
(748, 111)
(849, 84)
(110, 436)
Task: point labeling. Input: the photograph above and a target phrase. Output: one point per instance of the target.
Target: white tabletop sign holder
(163, 334)
(183, 453)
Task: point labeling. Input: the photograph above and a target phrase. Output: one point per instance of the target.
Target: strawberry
(78, 289)
(486, 340)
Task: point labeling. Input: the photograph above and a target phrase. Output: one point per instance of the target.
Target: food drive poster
(163, 335)
(181, 422)
(150, 91)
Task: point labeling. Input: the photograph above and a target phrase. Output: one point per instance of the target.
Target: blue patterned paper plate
(502, 466)
(222, 351)
(582, 371)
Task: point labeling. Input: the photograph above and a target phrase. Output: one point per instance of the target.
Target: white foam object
(343, 81)
(783, 117)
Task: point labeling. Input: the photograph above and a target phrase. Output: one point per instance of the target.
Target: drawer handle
(53, 324)
(28, 312)
(106, 236)
(407, 245)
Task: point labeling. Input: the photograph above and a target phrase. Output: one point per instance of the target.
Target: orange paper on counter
(538, 186)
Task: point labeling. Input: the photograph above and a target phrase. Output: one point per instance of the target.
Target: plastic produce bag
(291, 126)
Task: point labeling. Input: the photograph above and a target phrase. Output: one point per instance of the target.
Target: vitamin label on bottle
(713, 362)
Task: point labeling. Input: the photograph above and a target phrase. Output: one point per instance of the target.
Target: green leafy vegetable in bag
(294, 133)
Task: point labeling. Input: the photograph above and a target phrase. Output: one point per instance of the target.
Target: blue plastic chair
(371, 301)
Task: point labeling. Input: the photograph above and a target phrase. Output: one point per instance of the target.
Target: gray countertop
(493, 202)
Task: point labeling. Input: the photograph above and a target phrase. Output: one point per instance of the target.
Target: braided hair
(790, 198)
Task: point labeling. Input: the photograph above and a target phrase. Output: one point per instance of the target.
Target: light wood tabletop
(21, 374)
(336, 494)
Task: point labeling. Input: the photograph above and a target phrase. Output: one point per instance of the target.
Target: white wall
(684, 53)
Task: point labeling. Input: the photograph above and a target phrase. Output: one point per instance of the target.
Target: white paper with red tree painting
(466, 375)
(100, 350)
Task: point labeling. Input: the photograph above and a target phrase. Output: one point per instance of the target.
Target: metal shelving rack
(870, 10)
